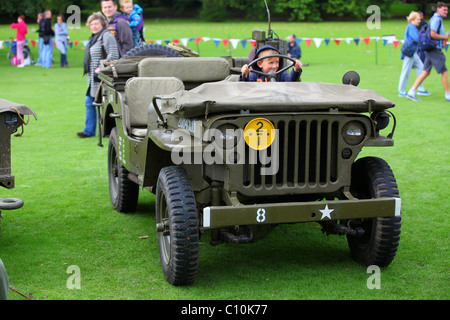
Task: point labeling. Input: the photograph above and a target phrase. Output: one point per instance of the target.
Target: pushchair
(27, 55)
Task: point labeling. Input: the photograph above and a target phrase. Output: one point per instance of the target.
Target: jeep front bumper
(317, 211)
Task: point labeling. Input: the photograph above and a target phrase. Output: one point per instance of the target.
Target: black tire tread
(182, 268)
(373, 178)
(128, 191)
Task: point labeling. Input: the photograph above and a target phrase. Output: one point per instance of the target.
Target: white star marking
(326, 212)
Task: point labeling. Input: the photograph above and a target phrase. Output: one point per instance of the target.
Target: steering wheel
(272, 76)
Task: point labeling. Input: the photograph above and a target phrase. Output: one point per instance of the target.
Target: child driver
(268, 65)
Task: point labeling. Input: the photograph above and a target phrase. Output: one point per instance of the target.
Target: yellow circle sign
(259, 133)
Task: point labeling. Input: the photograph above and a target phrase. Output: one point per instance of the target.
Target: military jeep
(236, 159)
(11, 118)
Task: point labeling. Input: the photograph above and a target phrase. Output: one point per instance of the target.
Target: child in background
(22, 30)
(135, 19)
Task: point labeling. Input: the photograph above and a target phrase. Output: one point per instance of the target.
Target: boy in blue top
(434, 57)
(271, 64)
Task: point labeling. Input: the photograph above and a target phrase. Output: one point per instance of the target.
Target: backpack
(427, 43)
(113, 27)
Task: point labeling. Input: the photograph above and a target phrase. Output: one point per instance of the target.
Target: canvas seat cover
(187, 69)
(139, 92)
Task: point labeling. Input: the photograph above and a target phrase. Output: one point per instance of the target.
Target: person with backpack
(434, 57)
(118, 26)
(410, 57)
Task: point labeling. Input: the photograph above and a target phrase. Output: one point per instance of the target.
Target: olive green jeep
(236, 159)
(11, 118)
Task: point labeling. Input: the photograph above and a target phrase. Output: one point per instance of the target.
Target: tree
(12, 8)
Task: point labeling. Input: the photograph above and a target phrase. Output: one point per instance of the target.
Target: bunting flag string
(386, 40)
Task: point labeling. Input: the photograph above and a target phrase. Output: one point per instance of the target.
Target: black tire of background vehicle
(176, 208)
(152, 49)
(124, 192)
(373, 178)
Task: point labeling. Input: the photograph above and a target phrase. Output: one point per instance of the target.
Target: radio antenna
(268, 15)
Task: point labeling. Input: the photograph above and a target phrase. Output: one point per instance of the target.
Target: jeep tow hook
(340, 229)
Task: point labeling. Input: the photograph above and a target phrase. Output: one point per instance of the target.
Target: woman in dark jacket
(102, 46)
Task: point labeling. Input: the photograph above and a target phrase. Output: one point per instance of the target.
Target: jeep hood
(228, 97)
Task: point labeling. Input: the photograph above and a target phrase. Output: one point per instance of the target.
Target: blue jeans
(409, 63)
(47, 54)
(91, 117)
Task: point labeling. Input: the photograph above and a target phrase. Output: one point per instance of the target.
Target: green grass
(68, 220)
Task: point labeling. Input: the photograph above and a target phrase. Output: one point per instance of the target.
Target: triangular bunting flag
(244, 43)
(308, 42)
(197, 40)
(234, 42)
(253, 43)
(225, 42)
(395, 43)
(327, 41)
(216, 42)
(348, 40)
(184, 41)
(337, 41)
(356, 40)
(366, 41)
(318, 41)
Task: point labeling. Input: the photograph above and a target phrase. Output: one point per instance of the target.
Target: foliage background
(220, 10)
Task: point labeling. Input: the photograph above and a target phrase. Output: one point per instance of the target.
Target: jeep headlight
(353, 132)
(227, 136)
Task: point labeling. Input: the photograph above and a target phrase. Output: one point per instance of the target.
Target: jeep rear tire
(152, 49)
(177, 226)
(124, 192)
(373, 178)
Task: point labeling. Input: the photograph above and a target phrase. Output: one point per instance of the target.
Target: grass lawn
(67, 219)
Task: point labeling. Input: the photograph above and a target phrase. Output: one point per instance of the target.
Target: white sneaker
(447, 97)
(20, 65)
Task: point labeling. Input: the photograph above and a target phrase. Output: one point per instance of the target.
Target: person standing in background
(101, 46)
(61, 39)
(22, 30)
(47, 34)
